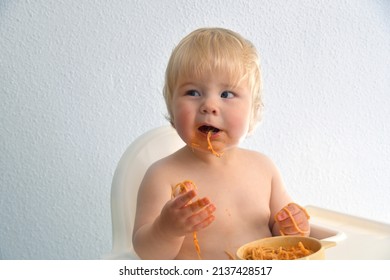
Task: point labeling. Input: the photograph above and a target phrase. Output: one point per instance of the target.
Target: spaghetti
(280, 253)
(178, 189)
(301, 231)
(210, 146)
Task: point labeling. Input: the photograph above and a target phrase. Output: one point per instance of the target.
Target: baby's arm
(162, 222)
(280, 220)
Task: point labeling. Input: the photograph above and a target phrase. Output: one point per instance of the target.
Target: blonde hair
(208, 50)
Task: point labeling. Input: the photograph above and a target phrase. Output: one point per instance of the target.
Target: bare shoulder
(162, 172)
(164, 166)
(258, 159)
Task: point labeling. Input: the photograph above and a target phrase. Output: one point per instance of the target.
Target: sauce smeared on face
(209, 131)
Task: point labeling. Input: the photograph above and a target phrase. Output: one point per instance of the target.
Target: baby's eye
(192, 92)
(227, 94)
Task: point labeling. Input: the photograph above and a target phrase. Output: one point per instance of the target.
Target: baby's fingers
(202, 218)
(291, 209)
(293, 220)
(204, 223)
(183, 199)
(198, 204)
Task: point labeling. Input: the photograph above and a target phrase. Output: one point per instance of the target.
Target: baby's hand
(180, 215)
(293, 220)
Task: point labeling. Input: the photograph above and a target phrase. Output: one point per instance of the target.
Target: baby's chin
(216, 150)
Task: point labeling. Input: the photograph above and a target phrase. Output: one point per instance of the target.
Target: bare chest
(242, 215)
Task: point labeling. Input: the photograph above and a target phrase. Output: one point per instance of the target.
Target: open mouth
(207, 128)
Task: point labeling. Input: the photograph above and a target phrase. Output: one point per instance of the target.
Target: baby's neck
(207, 157)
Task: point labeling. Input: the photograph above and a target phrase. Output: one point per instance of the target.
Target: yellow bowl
(317, 246)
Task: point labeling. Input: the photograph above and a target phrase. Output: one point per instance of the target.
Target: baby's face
(211, 104)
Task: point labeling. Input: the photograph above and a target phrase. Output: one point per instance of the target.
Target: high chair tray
(357, 238)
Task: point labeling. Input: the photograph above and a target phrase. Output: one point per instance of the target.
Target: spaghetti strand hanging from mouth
(210, 146)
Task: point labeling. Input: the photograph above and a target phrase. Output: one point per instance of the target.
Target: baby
(212, 196)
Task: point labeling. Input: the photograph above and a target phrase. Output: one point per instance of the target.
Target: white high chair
(146, 149)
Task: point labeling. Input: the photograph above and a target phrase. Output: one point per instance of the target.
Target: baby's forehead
(228, 78)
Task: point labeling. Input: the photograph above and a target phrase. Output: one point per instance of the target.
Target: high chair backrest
(146, 149)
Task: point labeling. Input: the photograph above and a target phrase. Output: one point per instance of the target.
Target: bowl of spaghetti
(284, 248)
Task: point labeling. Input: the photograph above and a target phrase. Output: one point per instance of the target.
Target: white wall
(80, 80)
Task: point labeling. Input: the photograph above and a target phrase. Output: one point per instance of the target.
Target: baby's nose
(209, 107)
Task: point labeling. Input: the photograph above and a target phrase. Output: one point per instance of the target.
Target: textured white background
(80, 80)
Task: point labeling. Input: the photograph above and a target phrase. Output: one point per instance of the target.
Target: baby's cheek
(238, 129)
(184, 124)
